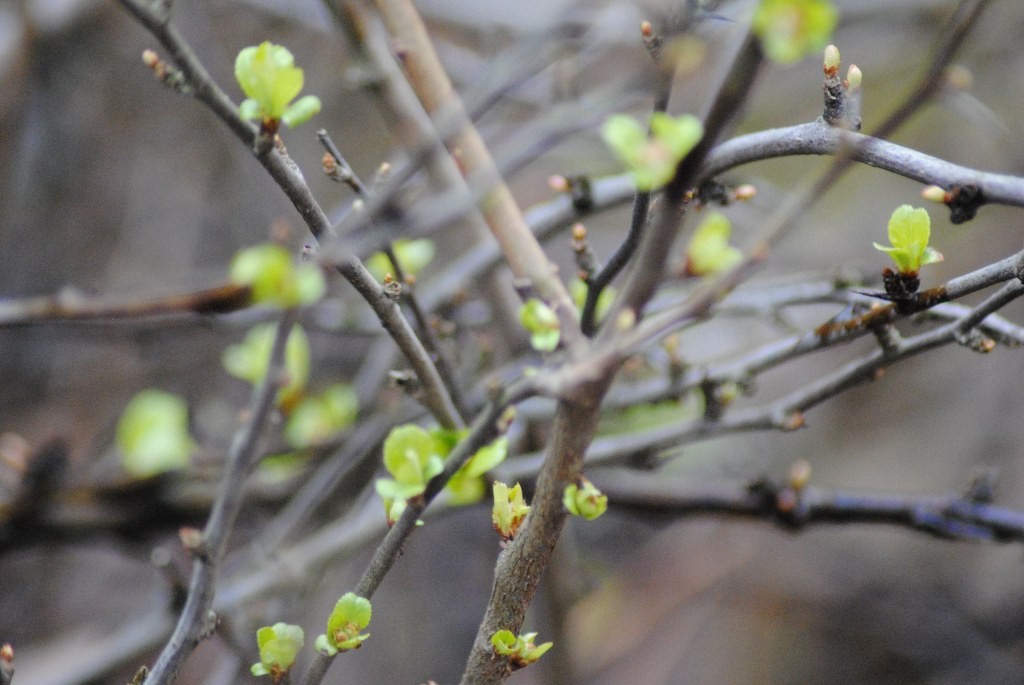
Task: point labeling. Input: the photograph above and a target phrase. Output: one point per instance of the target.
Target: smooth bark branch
(428, 78)
(817, 138)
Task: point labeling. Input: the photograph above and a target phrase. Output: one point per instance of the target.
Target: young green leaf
(274, 277)
(584, 500)
(542, 323)
(317, 418)
(413, 256)
(909, 233)
(249, 360)
(520, 650)
(279, 645)
(412, 456)
(652, 159)
(351, 614)
(791, 29)
(269, 78)
(709, 251)
(509, 510)
(152, 434)
(467, 485)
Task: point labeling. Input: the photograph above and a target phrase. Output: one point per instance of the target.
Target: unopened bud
(853, 78)
(831, 60)
(934, 194)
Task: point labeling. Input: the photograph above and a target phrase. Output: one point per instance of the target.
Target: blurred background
(113, 185)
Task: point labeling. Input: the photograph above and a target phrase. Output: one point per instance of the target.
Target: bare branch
(947, 516)
(197, 620)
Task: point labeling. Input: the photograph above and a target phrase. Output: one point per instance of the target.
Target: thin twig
(444, 366)
(960, 24)
(196, 619)
(641, 203)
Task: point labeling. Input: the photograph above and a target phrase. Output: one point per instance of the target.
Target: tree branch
(196, 620)
(958, 517)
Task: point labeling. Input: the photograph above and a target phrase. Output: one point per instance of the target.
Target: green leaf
(584, 500)
(351, 614)
(268, 76)
(152, 434)
(412, 455)
(315, 419)
(791, 29)
(301, 111)
(275, 279)
(520, 650)
(542, 323)
(709, 251)
(249, 359)
(279, 645)
(413, 256)
(652, 159)
(509, 510)
(909, 233)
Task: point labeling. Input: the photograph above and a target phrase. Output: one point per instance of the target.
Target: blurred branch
(960, 24)
(196, 620)
(72, 305)
(959, 517)
(156, 17)
(523, 253)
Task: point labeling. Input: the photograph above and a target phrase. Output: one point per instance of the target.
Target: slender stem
(196, 619)
(961, 23)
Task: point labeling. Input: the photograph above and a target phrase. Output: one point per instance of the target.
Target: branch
(196, 620)
(71, 305)
(961, 23)
(959, 517)
(486, 426)
(155, 17)
(523, 253)
(817, 138)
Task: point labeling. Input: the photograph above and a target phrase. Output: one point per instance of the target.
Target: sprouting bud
(853, 78)
(646, 29)
(150, 58)
(831, 65)
(793, 421)
(934, 194)
(383, 171)
(579, 232)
